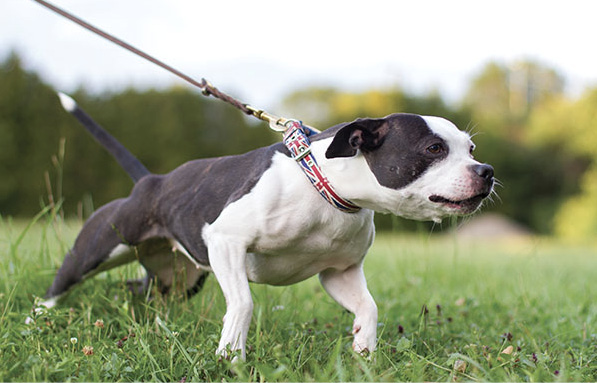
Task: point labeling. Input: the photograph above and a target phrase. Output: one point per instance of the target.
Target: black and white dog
(255, 217)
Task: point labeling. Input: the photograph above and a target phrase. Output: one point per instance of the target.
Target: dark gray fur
(175, 205)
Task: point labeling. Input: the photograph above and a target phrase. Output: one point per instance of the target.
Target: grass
(449, 311)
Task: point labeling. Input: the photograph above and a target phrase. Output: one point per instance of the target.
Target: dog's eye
(471, 150)
(435, 149)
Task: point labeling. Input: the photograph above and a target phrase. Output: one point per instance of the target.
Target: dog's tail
(135, 169)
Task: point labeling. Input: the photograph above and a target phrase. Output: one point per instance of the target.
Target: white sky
(261, 50)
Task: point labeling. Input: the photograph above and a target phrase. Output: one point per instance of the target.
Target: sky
(261, 50)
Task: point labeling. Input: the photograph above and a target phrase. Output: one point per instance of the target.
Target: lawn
(449, 310)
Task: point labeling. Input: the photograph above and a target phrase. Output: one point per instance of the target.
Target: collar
(297, 141)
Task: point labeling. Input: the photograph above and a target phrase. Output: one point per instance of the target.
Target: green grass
(448, 311)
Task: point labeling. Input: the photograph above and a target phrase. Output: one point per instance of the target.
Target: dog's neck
(298, 143)
(341, 173)
(355, 181)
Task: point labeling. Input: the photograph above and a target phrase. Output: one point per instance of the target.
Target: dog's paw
(364, 341)
(364, 352)
(40, 308)
(135, 286)
(234, 356)
(138, 287)
(360, 349)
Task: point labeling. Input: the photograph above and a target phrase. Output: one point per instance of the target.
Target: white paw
(40, 309)
(364, 340)
(235, 356)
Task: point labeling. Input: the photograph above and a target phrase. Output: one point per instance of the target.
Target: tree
(500, 99)
(325, 107)
(30, 129)
(566, 128)
(502, 96)
(162, 128)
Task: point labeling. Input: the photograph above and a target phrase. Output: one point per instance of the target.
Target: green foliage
(326, 107)
(29, 126)
(162, 128)
(577, 217)
(448, 311)
(567, 128)
(488, 95)
(501, 96)
(536, 180)
(567, 125)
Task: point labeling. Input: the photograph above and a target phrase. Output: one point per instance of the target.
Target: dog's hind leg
(171, 265)
(103, 243)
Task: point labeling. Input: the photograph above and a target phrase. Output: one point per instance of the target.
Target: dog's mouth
(464, 206)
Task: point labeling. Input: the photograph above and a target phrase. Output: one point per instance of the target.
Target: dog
(255, 217)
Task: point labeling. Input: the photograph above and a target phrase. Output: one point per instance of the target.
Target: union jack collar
(297, 141)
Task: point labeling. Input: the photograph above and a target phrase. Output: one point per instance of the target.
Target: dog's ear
(365, 134)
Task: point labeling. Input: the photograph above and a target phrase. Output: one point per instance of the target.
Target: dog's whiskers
(470, 129)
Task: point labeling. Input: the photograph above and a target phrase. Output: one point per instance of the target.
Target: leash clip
(277, 124)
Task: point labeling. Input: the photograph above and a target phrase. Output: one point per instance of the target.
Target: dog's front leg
(349, 288)
(227, 261)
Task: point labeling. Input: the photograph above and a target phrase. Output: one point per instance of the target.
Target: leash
(296, 134)
(276, 123)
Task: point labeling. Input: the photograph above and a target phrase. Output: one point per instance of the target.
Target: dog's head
(420, 167)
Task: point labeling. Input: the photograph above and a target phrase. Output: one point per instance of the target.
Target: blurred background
(520, 76)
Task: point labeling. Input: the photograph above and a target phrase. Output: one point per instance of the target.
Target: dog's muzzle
(482, 185)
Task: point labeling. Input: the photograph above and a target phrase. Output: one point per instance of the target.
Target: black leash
(276, 123)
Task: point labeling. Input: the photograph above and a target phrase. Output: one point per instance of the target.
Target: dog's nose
(484, 171)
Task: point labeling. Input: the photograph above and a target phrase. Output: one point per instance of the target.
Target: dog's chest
(291, 233)
(285, 259)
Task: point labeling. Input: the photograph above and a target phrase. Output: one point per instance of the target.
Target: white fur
(177, 246)
(264, 238)
(159, 256)
(67, 102)
(282, 232)
(40, 309)
(120, 255)
(349, 288)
